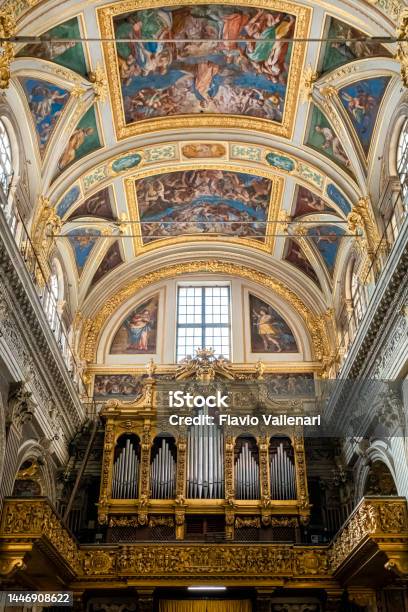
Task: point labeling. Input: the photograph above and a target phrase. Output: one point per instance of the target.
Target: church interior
(209, 199)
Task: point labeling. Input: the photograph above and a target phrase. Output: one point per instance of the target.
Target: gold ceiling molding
(284, 129)
(316, 324)
(277, 184)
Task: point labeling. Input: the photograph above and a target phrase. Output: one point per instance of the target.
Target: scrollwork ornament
(7, 48)
(402, 45)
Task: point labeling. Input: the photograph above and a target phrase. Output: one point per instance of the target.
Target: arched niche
(282, 468)
(246, 467)
(379, 480)
(126, 467)
(29, 480)
(163, 467)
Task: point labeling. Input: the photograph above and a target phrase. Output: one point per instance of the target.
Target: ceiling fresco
(337, 53)
(308, 203)
(97, 205)
(323, 138)
(82, 241)
(112, 259)
(296, 256)
(192, 75)
(327, 239)
(203, 202)
(83, 141)
(362, 101)
(69, 54)
(203, 128)
(46, 102)
(159, 79)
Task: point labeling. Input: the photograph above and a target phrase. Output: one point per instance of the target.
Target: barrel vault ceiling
(187, 147)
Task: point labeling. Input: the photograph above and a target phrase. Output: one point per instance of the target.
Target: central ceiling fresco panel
(204, 59)
(200, 203)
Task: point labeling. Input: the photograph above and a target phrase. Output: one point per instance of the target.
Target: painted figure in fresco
(331, 141)
(76, 140)
(310, 201)
(137, 334)
(97, 205)
(362, 102)
(203, 201)
(116, 385)
(267, 330)
(41, 101)
(210, 72)
(139, 326)
(360, 107)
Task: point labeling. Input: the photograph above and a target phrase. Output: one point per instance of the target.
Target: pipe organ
(125, 479)
(155, 473)
(246, 474)
(282, 472)
(205, 465)
(163, 472)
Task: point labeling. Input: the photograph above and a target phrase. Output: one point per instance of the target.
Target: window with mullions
(402, 161)
(5, 159)
(203, 320)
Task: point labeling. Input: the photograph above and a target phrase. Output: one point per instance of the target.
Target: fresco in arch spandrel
(175, 78)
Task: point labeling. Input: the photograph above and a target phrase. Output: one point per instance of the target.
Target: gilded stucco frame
(267, 244)
(209, 120)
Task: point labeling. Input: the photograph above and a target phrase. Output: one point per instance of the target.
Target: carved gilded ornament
(376, 519)
(45, 224)
(92, 328)
(99, 83)
(106, 15)
(7, 49)
(381, 521)
(402, 50)
(309, 78)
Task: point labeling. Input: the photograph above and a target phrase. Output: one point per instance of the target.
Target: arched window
(6, 161)
(402, 160)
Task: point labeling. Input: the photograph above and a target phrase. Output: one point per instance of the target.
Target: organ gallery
(203, 306)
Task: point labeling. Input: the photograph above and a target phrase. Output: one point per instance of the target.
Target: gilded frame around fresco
(277, 185)
(207, 120)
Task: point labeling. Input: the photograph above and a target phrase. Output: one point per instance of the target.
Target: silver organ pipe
(246, 474)
(205, 469)
(163, 472)
(125, 479)
(282, 470)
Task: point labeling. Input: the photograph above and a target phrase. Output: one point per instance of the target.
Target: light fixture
(206, 588)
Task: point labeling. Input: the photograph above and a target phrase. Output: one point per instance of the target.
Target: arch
(246, 467)
(31, 450)
(126, 467)
(163, 467)
(379, 480)
(377, 451)
(315, 325)
(282, 468)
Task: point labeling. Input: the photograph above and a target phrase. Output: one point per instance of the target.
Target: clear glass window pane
(203, 320)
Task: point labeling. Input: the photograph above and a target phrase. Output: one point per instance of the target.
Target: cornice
(24, 314)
